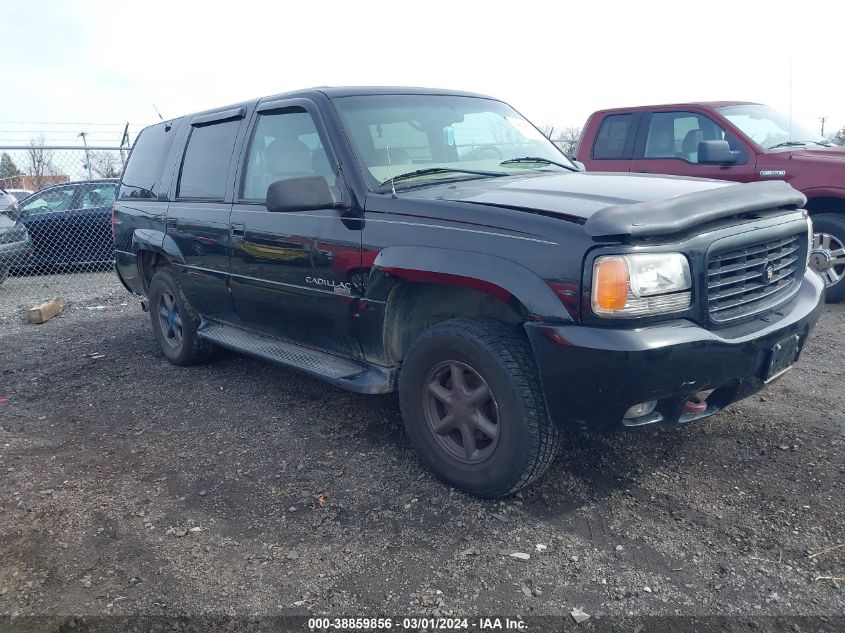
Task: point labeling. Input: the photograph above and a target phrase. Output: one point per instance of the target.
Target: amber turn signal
(610, 283)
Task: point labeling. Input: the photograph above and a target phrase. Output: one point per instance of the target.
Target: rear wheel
(175, 322)
(473, 407)
(828, 255)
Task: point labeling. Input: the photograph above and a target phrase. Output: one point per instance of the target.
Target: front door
(296, 274)
(668, 144)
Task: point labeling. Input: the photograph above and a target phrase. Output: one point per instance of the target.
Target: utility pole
(87, 157)
(823, 119)
(124, 140)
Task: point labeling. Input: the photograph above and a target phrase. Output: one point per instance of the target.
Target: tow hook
(695, 406)
(145, 307)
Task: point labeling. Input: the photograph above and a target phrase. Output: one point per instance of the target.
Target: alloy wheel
(828, 258)
(169, 319)
(461, 412)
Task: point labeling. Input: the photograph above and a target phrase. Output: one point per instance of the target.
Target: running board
(349, 374)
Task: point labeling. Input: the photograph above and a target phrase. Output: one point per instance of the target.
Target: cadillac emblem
(768, 273)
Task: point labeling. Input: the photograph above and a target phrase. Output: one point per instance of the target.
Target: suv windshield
(423, 139)
(769, 128)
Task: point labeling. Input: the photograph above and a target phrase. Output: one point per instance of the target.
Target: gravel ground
(129, 486)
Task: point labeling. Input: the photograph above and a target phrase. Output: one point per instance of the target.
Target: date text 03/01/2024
(411, 623)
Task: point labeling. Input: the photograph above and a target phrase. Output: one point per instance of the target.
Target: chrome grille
(748, 280)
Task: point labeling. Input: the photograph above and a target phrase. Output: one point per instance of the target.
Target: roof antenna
(390, 167)
(790, 98)
(157, 112)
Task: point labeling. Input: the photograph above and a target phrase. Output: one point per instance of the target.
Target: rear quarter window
(142, 177)
(615, 137)
(206, 162)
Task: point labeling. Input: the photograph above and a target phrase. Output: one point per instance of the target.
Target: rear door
(293, 273)
(668, 144)
(198, 216)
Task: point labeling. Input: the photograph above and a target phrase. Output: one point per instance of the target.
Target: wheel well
(148, 262)
(414, 307)
(825, 204)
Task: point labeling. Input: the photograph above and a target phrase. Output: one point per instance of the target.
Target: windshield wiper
(535, 159)
(439, 170)
(798, 144)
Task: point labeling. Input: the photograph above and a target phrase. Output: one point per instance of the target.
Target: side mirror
(716, 153)
(307, 193)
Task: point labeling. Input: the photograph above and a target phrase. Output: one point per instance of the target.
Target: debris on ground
(45, 311)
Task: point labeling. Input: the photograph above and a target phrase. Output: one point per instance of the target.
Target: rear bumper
(594, 375)
(126, 269)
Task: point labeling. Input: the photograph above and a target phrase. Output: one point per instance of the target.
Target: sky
(93, 66)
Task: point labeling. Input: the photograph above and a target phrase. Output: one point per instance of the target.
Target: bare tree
(567, 140)
(839, 137)
(105, 164)
(40, 162)
(547, 130)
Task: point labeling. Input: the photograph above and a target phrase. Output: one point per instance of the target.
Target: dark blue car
(70, 224)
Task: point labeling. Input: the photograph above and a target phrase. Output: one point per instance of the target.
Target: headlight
(640, 284)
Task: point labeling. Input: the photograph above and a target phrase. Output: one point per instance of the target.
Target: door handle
(238, 230)
(642, 171)
(172, 223)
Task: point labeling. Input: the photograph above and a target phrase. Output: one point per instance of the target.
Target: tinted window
(677, 135)
(206, 161)
(142, 176)
(94, 196)
(55, 199)
(612, 137)
(285, 144)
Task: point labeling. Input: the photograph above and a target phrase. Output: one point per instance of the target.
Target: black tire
(501, 358)
(187, 348)
(832, 224)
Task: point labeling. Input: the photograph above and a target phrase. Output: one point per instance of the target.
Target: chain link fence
(55, 226)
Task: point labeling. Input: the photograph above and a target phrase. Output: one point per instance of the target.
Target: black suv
(435, 243)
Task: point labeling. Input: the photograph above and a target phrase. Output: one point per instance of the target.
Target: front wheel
(828, 255)
(473, 407)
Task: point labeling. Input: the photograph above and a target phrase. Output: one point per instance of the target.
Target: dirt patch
(131, 486)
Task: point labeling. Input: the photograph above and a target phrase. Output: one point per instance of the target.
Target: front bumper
(14, 254)
(594, 375)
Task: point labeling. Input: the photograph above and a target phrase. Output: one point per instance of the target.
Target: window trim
(267, 108)
(218, 117)
(645, 124)
(205, 123)
(630, 135)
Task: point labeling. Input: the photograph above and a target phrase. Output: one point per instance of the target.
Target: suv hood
(572, 195)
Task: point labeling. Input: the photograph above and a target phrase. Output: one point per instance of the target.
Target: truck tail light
(611, 283)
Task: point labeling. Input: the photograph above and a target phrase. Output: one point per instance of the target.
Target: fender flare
(496, 276)
(157, 242)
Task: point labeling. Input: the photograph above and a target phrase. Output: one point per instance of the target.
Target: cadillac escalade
(437, 244)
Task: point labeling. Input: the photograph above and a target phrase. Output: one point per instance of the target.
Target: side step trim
(358, 376)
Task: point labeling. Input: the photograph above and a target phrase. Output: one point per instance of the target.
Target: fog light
(641, 409)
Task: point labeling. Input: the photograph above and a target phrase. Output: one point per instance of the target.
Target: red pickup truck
(730, 140)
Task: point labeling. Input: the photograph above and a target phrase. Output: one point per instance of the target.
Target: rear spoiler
(678, 213)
